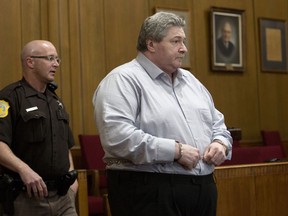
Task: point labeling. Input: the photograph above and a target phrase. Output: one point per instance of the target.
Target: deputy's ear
(30, 62)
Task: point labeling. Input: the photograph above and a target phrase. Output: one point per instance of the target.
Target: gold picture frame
(227, 39)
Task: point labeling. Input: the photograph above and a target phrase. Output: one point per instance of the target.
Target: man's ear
(30, 62)
(150, 46)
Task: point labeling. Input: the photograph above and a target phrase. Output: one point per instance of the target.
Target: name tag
(31, 109)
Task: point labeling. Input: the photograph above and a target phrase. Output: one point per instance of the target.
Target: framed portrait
(185, 14)
(227, 39)
(273, 45)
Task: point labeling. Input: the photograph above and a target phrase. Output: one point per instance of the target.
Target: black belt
(151, 177)
(52, 185)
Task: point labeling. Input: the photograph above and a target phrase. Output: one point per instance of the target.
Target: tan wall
(94, 36)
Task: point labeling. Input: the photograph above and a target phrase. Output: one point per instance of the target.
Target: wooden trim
(252, 189)
(82, 195)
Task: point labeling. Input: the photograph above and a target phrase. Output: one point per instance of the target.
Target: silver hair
(156, 26)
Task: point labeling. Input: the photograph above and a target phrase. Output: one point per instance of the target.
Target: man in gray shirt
(159, 128)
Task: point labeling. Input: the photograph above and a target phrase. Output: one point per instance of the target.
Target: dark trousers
(155, 194)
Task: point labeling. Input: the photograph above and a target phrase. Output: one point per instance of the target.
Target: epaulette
(11, 87)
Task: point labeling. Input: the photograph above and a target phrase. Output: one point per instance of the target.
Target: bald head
(34, 48)
(39, 63)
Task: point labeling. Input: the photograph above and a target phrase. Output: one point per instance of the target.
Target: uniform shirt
(36, 128)
(140, 114)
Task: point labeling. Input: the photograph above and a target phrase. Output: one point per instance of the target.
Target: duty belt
(52, 185)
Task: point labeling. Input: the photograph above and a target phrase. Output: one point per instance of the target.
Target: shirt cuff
(165, 150)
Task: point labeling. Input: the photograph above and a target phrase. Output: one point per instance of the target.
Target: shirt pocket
(63, 124)
(32, 128)
(207, 121)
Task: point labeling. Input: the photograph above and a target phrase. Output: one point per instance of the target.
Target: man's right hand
(190, 156)
(35, 185)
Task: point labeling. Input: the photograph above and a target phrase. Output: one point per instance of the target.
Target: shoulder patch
(4, 106)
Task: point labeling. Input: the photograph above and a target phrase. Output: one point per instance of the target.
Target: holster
(8, 193)
(10, 189)
(66, 181)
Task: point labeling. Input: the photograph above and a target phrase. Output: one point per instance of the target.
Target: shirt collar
(30, 91)
(153, 70)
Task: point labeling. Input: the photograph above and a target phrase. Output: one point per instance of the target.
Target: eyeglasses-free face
(50, 58)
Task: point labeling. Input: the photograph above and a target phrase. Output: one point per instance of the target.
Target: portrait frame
(227, 39)
(273, 45)
(185, 14)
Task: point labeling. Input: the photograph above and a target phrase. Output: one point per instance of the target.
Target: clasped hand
(214, 154)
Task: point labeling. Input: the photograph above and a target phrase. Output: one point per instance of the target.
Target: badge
(4, 106)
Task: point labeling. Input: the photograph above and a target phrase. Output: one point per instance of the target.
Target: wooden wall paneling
(68, 89)
(180, 4)
(44, 29)
(73, 92)
(53, 34)
(54, 21)
(30, 21)
(56, 16)
(270, 9)
(272, 85)
(284, 102)
(235, 93)
(64, 51)
(271, 101)
(246, 85)
(10, 42)
(251, 100)
(123, 19)
(92, 58)
(63, 31)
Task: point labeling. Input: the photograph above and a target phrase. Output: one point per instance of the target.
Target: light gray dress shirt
(140, 112)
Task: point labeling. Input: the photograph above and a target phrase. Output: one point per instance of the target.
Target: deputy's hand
(215, 154)
(75, 186)
(190, 157)
(34, 183)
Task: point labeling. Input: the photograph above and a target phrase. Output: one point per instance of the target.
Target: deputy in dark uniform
(35, 136)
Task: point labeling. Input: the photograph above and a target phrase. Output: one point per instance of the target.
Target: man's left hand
(215, 154)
